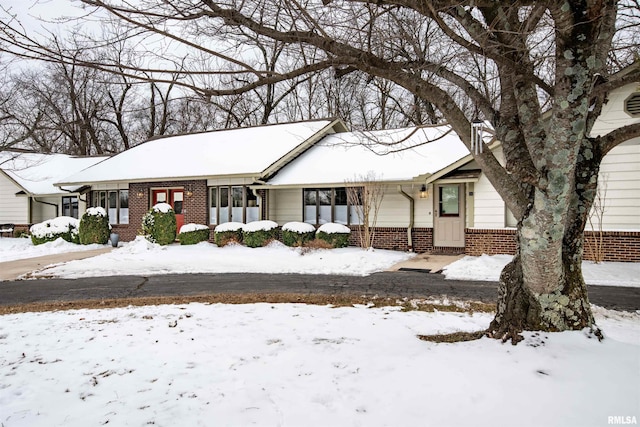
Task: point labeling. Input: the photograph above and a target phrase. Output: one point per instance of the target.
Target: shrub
(94, 227)
(159, 224)
(297, 233)
(259, 233)
(65, 227)
(228, 232)
(190, 234)
(337, 235)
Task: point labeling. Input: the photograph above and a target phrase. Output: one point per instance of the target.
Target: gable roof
(36, 173)
(241, 152)
(397, 155)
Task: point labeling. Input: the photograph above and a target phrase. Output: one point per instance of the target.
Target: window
(236, 203)
(632, 105)
(70, 206)
(115, 202)
(323, 205)
(449, 200)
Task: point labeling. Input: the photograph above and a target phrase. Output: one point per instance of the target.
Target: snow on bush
(187, 228)
(265, 225)
(162, 208)
(65, 227)
(159, 224)
(190, 234)
(332, 228)
(228, 232)
(297, 233)
(299, 227)
(337, 235)
(259, 233)
(96, 211)
(229, 226)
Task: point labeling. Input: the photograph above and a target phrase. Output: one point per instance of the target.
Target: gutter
(50, 204)
(411, 217)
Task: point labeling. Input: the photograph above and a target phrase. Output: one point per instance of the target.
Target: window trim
(230, 205)
(77, 201)
(96, 200)
(350, 219)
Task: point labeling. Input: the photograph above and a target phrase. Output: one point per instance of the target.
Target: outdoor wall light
(189, 193)
(423, 192)
(140, 194)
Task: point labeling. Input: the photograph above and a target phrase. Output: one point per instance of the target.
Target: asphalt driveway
(396, 284)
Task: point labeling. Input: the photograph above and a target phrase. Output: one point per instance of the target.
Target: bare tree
(538, 71)
(365, 195)
(595, 241)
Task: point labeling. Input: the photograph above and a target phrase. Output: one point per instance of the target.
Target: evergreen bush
(259, 233)
(190, 234)
(159, 224)
(337, 235)
(65, 227)
(228, 232)
(94, 227)
(297, 233)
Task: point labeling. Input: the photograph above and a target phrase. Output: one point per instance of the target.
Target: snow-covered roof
(393, 155)
(243, 151)
(37, 173)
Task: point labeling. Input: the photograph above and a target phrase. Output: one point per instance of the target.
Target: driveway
(396, 284)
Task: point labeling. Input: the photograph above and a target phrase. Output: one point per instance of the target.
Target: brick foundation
(621, 246)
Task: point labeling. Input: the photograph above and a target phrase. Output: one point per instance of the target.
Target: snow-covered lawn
(301, 365)
(488, 268)
(12, 249)
(141, 257)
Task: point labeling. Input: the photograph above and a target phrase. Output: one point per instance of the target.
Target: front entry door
(174, 197)
(448, 227)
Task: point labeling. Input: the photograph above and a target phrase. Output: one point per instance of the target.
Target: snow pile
(141, 245)
(228, 226)
(298, 227)
(96, 211)
(12, 249)
(332, 228)
(489, 267)
(187, 228)
(264, 225)
(144, 258)
(162, 207)
(51, 227)
(300, 365)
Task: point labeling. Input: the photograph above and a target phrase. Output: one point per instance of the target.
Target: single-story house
(436, 198)
(27, 191)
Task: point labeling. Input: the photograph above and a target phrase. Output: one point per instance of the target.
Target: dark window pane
(224, 197)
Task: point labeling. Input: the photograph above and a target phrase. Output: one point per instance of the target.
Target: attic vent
(632, 105)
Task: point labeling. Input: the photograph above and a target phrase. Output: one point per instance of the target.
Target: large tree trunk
(542, 288)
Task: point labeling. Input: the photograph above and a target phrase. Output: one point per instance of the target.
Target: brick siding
(195, 207)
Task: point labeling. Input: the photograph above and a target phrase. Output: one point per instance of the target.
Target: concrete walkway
(12, 270)
(426, 262)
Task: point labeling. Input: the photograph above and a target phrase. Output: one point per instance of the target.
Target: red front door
(173, 197)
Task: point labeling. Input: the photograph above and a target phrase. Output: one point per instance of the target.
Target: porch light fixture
(423, 192)
(140, 194)
(476, 136)
(189, 193)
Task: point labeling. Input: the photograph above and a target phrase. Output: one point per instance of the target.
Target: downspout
(262, 200)
(411, 217)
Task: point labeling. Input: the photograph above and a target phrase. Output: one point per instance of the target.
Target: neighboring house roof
(36, 173)
(253, 151)
(396, 155)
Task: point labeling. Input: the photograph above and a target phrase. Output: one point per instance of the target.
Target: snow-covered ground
(488, 268)
(301, 365)
(12, 249)
(294, 364)
(143, 258)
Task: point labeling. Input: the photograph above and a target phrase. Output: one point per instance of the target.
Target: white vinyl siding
(285, 205)
(13, 209)
(43, 210)
(620, 174)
